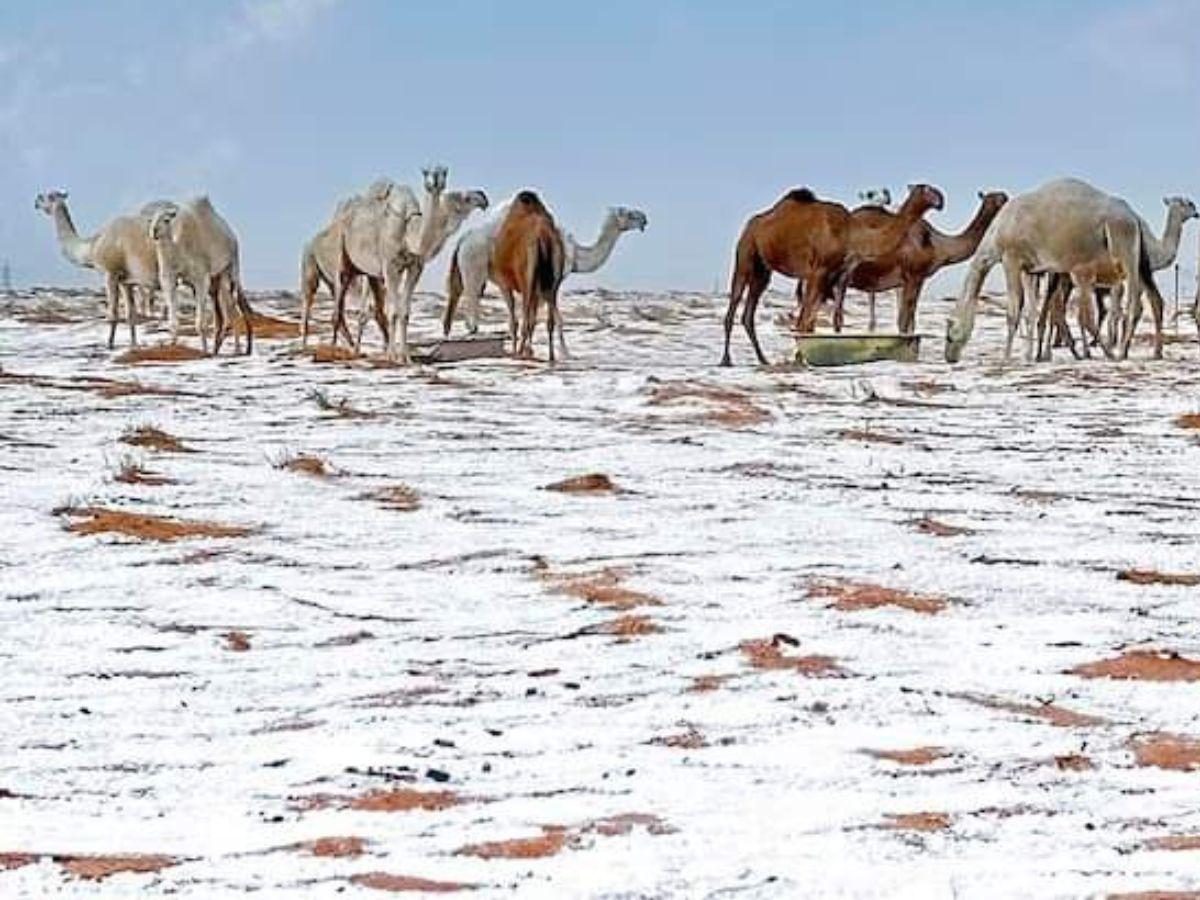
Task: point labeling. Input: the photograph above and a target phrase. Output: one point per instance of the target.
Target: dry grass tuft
(868, 436)
(593, 483)
(767, 655)
(303, 464)
(131, 471)
(340, 409)
(395, 497)
(154, 439)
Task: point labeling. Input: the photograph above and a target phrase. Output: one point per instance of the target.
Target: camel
(1064, 226)
(529, 259)
(468, 274)
(121, 250)
(195, 245)
(1162, 253)
(820, 244)
(374, 242)
(321, 255)
(922, 253)
(874, 197)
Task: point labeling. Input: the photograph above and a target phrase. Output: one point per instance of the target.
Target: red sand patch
(703, 684)
(725, 407)
(1175, 842)
(923, 821)
(1188, 420)
(396, 497)
(552, 841)
(556, 838)
(767, 655)
(630, 627)
(869, 436)
(237, 641)
(154, 439)
(160, 353)
(850, 596)
(602, 587)
(1074, 762)
(328, 353)
(395, 800)
(16, 860)
(1166, 751)
(336, 847)
(400, 884)
(931, 526)
(98, 520)
(97, 868)
(1047, 712)
(271, 328)
(1142, 665)
(918, 756)
(1149, 576)
(594, 483)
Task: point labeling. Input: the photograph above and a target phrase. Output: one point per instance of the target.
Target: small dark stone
(437, 775)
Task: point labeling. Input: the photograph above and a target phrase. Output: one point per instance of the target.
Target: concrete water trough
(854, 349)
(478, 346)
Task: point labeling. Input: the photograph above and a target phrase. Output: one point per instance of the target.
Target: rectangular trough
(855, 349)
(479, 346)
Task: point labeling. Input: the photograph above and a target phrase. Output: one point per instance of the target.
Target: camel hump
(530, 199)
(801, 195)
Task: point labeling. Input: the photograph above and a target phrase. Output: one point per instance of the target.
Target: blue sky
(699, 112)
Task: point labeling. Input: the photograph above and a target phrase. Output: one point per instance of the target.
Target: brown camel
(922, 253)
(529, 259)
(820, 244)
(799, 237)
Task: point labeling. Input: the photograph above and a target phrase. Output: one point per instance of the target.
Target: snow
(128, 726)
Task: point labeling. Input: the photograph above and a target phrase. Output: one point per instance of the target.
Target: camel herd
(1063, 238)
(1066, 234)
(381, 239)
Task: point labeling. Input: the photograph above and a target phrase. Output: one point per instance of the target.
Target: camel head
(991, 202)
(924, 197)
(435, 179)
(160, 222)
(460, 204)
(876, 197)
(50, 201)
(1185, 206)
(628, 219)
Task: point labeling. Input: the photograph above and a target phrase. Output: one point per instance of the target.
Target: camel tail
(454, 289)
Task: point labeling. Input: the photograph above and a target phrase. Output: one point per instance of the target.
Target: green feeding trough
(855, 349)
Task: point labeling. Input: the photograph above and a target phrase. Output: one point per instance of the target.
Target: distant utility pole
(6, 277)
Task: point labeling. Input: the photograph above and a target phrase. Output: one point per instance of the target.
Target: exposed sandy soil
(830, 632)
(159, 353)
(593, 483)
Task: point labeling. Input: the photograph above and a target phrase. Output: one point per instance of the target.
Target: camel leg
(132, 311)
(759, 279)
(365, 307)
(1156, 308)
(1032, 308)
(558, 327)
(401, 296)
(871, 319)
(378, 304)
(735, 299)
(511, 302)
(112, 291)
(529, 311)
(1014, 287)
(906, 315)
(344, 280)
(814, 291)
(551, 322)
(310, 280)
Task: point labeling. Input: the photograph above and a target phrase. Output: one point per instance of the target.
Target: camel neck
(1163, 252)
(954, 248)
(74, 248)
(590, 257)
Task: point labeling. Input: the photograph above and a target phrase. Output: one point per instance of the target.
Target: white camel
(320, 259)
(1161, 254)
(121, 250)
(469, 265)
(196, 245)
(1065, 226)
(374, 242)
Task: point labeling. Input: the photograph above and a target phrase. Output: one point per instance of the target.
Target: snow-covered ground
(672, 689)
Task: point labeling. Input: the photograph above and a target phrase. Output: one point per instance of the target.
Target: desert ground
(298, 625)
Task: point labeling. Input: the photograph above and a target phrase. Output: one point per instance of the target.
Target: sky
(701, 113)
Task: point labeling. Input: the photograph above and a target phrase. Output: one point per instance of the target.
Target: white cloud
(261, 22)
(1150, 40)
